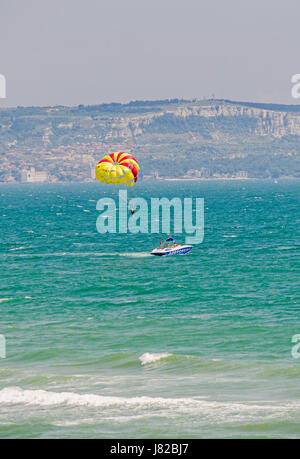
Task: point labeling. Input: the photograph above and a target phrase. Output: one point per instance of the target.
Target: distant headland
(172, 138)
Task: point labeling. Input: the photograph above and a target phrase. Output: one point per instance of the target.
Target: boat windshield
(170, 242)
(167, 244)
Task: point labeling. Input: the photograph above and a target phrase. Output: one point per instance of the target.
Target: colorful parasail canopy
(118, 168)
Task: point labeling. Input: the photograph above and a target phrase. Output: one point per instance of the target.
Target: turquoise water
(105, 341)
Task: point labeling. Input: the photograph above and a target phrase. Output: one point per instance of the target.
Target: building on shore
(92, 171)
(34, 176)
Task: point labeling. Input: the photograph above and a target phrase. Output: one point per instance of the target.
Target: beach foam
(214, 411)
(16, 395)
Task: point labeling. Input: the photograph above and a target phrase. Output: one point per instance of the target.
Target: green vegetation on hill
(172, 137)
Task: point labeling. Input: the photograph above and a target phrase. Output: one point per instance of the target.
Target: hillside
(173, 138)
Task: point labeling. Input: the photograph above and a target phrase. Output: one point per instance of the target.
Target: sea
(103, 340)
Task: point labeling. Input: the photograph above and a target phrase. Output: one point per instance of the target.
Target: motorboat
(171, 248)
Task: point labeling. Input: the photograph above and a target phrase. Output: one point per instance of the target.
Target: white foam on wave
(150, 358)
(17, 248)
(4, 299)
(16, 395)
(217, 411)
(286, 248)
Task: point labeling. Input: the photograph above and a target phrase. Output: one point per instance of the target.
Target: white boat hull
(178, 250)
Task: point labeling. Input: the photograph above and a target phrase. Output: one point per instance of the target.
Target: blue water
(104, 340)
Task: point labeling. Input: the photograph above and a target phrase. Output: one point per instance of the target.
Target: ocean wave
(208, 410)
(195, 364)
(17, 395)
(294, 247)
(151, 358)
(17, 248)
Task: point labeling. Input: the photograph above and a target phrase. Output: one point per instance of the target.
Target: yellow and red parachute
(118, 168)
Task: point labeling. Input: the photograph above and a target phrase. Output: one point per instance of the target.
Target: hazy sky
(92, 51)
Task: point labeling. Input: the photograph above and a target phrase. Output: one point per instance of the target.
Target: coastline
(167, 179)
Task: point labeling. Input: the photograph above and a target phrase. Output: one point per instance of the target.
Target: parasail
(118, 168)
